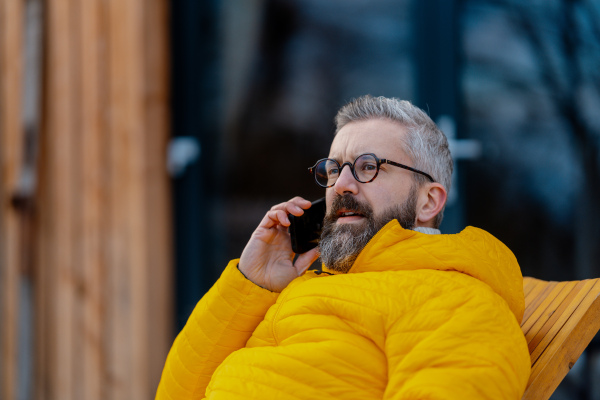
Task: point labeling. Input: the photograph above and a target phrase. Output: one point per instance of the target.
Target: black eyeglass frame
(313, 169)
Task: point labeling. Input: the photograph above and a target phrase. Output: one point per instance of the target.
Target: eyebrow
(352, 157)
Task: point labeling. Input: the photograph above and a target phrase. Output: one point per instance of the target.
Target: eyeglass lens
(328, 170)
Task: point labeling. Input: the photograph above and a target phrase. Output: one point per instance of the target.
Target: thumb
(305, 260)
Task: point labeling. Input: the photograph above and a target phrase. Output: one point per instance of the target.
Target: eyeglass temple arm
(383, 160)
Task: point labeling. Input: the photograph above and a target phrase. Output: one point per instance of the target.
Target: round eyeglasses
(364, 169)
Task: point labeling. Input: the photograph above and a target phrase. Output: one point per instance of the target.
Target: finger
(297, 203)
(269, 220)
(300, 202)
(276, 217)
(289, 208)
(294, 209)
(279, 206)
(305, 260)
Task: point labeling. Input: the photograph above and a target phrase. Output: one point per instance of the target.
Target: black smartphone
(305, 230)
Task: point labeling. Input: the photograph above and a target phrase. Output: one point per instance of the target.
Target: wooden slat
(583, 321)
(159, 233)
(104, 257)
(11, 149)
(546, 309)
(534, 287)
(528, 285)
(42, 276)
(563, 337)
(128, 312)
(89, 266)
(57, 204)
(78, 200)
(557, 320)
(537, 296)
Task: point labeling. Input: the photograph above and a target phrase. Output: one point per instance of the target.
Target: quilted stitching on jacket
(417, 317)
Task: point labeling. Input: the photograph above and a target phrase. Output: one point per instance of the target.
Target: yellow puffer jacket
(417, 317)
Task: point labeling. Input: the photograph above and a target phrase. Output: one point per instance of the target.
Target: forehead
(383, 137)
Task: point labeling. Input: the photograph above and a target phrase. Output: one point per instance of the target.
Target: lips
(346, 208)
(349, 213)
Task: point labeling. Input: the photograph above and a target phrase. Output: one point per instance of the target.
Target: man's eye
(332, 171)
(369, 167)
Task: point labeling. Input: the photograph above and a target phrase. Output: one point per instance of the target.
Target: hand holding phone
(305, 230)
(267, 259)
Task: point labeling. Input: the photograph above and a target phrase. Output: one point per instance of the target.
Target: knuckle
(277, 206)
(272, 214)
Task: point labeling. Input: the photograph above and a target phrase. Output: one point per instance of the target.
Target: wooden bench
(560, 320)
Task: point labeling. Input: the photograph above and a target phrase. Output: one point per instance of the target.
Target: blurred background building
(143, 141)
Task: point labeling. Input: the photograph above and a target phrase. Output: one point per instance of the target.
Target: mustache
(349, 203)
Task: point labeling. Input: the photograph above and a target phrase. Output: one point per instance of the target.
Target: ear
(432, 198)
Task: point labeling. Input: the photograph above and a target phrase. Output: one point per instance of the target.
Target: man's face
(356, 211)
(391, 187)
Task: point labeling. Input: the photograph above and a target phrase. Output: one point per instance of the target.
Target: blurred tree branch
(563, 36)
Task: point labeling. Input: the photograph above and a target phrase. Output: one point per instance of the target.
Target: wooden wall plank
(159, 233)
(57, 202)
(103, 232)
(107, 378)
(11, 139)
(89, 274)
(78, 200)
(129, 268)
(41, 269)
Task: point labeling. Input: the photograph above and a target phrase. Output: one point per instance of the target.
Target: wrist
(244, 275)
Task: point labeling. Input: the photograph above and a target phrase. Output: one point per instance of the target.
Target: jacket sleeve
(464, 345)
(222, 322)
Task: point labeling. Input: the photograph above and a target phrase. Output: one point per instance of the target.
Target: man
(399, 311)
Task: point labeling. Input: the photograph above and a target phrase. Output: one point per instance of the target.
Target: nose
(346, 182)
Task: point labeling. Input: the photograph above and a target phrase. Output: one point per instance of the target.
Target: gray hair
(424, 142)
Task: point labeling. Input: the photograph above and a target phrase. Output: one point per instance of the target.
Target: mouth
(344, 216)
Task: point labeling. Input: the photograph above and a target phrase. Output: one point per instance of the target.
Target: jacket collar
(473, 252)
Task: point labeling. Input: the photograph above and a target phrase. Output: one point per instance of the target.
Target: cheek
(377, 204)
(382, 198)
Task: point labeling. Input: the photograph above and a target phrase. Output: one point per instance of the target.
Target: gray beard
(341, 244)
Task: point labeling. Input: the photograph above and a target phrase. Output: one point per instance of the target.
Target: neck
(426, 230)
